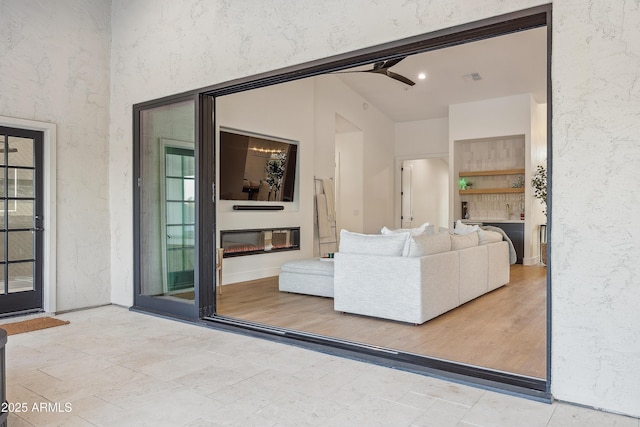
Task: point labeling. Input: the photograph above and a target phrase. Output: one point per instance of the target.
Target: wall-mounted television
(256, 167)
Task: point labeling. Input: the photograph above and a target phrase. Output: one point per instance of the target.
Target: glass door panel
(167, 203)
(20, 220)
(179, 220)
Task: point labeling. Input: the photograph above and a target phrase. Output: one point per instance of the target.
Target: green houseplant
(539, 183)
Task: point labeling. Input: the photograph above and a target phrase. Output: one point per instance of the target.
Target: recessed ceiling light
(422, 76)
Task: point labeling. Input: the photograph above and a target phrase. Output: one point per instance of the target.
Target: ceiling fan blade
(390, 63)
(400, 78)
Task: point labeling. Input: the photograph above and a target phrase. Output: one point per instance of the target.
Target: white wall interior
(290, 107)
(83, 66)
(334, 97)
(349, 181)
(538, 157)
(492, 118)
(414, 140)
(430, 191)
(423, 138)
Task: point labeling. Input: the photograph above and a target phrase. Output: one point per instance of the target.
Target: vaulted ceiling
(492, 68)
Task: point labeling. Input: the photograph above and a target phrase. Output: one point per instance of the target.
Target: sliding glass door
(169, 238)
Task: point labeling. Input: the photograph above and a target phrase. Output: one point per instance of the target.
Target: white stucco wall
(167, 47)
(59, 72)
(595, 240)
(54, 67)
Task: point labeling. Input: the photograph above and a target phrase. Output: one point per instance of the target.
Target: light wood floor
(503, 330)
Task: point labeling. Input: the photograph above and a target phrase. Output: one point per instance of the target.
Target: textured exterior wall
(596, 236)
(54, 67)
(58, 70)
(164, 47)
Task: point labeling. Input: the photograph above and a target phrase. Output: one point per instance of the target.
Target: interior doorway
(349, 151)
(425, 192)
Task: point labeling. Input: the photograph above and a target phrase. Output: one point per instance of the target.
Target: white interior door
(406, 213)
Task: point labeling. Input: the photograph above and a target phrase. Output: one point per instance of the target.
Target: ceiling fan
(382, 67)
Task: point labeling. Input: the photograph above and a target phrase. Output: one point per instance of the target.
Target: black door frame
(500, 25)
(535, 17)
(204, 274)
(26, 301)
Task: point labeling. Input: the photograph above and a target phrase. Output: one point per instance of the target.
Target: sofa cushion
(461, 228)
(425, 228)
(487, 236)
(320, 267)
(463, 241)
(373, 244)
(429, 244)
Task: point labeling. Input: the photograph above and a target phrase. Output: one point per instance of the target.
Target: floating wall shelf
(494, 172)
(492, 191)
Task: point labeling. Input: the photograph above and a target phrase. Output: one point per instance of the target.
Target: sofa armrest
(406, 289)
(498, 261)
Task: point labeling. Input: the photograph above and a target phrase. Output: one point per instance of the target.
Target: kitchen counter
(514, 228)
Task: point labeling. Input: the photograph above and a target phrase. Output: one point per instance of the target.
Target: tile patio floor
(114, 367)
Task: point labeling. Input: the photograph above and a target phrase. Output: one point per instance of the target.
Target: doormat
(32, 325)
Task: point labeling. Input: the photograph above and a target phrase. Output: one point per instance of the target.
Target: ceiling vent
(472, 77)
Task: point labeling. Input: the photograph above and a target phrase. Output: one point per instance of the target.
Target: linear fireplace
(259, 241)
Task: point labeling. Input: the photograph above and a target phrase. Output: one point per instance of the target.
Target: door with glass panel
(178, 170)
(166, 197)
(21, 220)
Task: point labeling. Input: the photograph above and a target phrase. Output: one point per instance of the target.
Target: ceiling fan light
(422, 76)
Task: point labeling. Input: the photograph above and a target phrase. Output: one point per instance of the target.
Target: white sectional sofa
(416, 278)
(307, 276)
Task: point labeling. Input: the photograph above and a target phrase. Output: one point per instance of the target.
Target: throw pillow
(423, 229)
(429, 244)
(373, 244)
(463, 241)
(461, 228)
(487, 236)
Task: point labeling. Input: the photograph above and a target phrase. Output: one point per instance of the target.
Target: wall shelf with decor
(492, 172)
(492, 191)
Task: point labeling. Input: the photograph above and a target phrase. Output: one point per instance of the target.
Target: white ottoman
(307, 276)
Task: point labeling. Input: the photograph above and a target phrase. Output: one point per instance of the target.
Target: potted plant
(275, 172)
(539, 183)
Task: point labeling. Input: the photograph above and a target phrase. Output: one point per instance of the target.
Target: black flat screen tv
(256, 167)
